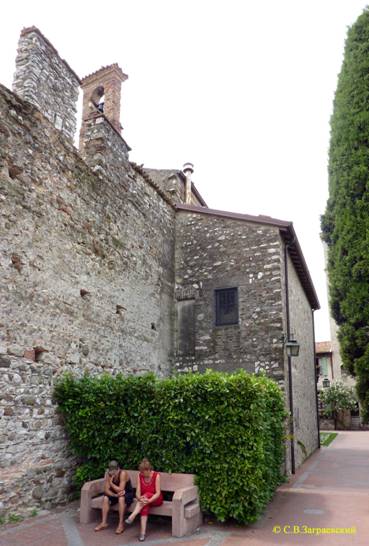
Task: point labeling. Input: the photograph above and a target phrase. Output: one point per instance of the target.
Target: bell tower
(101, 95)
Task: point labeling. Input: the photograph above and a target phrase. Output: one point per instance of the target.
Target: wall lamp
(292, 346)
(326, 383)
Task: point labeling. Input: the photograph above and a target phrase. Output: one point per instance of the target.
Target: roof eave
(294, 249)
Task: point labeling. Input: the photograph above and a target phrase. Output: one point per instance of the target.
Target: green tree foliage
(345, 224)
(337, 398)
(228, 429)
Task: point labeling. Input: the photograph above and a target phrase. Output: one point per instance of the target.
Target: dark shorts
(128, 497)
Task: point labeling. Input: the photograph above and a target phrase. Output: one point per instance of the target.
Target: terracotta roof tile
(103, 69)
(162, 174)
(323, 347)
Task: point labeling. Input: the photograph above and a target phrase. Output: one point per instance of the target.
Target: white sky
(243, 89)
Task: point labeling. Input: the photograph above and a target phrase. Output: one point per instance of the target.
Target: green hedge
(227, 429)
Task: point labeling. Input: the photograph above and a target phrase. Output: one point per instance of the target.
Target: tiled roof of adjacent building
(159, 175)
(288, 235)
(323, 347)
(147, 175)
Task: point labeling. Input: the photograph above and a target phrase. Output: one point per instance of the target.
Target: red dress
(148, 489)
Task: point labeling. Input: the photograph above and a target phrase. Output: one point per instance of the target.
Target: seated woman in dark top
(117, 489)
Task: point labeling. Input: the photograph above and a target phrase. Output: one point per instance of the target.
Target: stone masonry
(105, 269)
(87, 280)
(47, 81)
(217, 250)
(213, 253)
(104, 150)
(303, 371)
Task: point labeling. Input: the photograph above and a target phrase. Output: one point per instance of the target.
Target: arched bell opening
(98, 98)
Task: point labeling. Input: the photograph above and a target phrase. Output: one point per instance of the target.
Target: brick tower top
(101, 92)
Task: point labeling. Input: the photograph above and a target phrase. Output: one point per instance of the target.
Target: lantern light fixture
(292, 346)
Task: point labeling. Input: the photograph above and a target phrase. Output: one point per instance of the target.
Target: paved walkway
(330, 491)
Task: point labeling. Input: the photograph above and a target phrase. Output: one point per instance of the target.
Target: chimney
(187, 170)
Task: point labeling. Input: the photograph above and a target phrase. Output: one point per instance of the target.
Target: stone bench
(184, 508)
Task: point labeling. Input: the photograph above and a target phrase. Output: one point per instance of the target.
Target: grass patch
(15, 518)
(327, 438)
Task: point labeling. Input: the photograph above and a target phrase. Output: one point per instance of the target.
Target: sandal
(128, 521)
(101, 527)
(119, 530)
(141, 538)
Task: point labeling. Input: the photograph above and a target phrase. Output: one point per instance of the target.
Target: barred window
(226, 306)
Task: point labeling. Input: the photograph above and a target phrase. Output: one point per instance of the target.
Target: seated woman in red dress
(148, 494)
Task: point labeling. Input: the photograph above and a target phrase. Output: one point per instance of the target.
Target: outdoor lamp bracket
(326, 383)
(292, 346)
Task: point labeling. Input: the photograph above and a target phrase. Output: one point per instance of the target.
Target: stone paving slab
(47, 531)
(330, 490)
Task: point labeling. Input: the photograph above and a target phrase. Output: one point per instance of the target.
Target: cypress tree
(345, 224)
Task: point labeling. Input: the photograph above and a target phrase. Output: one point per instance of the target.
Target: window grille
(226, 306)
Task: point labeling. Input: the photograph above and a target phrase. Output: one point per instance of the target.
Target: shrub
(226, 428)
(336, 398)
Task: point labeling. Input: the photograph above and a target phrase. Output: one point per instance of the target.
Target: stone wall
(303, 369)
(103, 149)
(87, 273)
(212, 253)
(46, 80)
(36, 465)
(100, 273)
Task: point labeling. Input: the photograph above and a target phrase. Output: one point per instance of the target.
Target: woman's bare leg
(136, 511)
(143, 526)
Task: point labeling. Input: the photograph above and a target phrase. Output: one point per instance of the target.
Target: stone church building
(109, 266)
